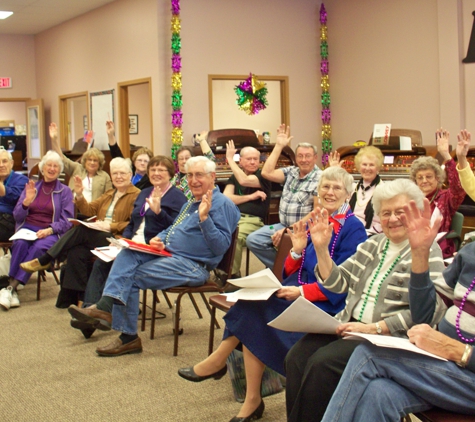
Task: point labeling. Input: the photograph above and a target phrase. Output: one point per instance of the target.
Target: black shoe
(87, 329)
(190, 375)
(257, 414)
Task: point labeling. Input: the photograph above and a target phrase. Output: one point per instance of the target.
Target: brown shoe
(96, 318)
(116, 348)
(33, 266)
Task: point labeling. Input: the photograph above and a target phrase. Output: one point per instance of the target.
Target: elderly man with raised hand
(250, 192)
(11, 187)
(299, 195)
(197, 241)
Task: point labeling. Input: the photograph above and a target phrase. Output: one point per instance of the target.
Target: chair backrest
(282, 251)
(456, 228)
(226, 263)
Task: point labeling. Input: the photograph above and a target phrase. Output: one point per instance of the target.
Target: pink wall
(18, 62)
(394, 61)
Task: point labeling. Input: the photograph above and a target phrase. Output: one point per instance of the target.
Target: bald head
(249, 159)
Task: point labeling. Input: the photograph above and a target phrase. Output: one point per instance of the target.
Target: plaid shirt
(181, 182)
(297, 196)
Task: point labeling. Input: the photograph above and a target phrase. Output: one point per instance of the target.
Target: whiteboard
(102, 109)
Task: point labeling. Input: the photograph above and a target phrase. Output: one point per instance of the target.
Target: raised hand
(420, 232)
(230, 151)
(155, 200)
(320, 229)
(463, 145)
(298, 237)
(30, 193)
(205, 205)
(334, 159)
(78, 186)
(110, 129)
(283, 135)
(442, 138)
(53, 131)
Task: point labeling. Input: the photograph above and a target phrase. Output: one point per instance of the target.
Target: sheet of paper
(90, 225)
(304, 317)
(107, 253)
(24, 234)
(392, 342)
(261, 279)
(251, 294)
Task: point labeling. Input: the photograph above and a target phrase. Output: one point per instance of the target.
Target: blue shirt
(204, 242)
(14, 185)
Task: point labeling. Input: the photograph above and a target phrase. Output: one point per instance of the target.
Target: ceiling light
(4, 15)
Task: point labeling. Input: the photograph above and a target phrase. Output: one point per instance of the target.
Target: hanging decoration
(177, 101)
(325, 84)
(251, 95)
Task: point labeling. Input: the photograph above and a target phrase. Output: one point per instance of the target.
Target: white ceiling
(33, 16)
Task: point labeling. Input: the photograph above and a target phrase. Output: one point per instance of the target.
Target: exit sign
(5, 82)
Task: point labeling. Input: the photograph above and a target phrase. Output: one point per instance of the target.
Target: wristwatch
(295, 255)
(379, 330)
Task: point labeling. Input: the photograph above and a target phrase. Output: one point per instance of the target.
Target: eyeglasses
(196, 175)
(429, 178)
(336, 188)
(386, 215)
(139, 160)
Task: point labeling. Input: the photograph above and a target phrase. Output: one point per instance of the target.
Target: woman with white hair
(43, 207)
(112, 210)
(246, 321)
(429, 176)
(376, 279)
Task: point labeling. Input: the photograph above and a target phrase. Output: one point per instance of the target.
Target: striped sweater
(392, 305)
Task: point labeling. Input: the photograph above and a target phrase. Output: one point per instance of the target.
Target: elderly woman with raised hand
(368, 161)
(95, 181)
(183, 154)
(154, 210)
(44, 207)
(382, 384)
(112, 210)
(376, 279)
(246, 322)
(11, 186)
(140, 159)
(429, 176)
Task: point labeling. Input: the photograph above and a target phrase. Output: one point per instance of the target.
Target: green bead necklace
(370, 287)
(179, 219)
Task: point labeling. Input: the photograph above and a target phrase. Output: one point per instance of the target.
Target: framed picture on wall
(133, 124)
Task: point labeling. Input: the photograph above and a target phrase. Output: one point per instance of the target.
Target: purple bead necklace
(332, 249)
(459, 314)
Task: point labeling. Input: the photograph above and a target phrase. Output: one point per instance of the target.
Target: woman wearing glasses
(246, 321)
(112, 211)
(429, 176)
(376, 279)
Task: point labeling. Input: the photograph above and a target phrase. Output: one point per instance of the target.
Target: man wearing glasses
(299, 194)
(197, 241)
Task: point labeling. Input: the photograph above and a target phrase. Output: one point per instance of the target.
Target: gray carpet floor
(49, 372)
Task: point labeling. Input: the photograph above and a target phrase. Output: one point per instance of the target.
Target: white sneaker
(6, 297)
(14, 302)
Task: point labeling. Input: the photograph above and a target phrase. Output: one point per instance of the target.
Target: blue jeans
(133, 271)
(382, 384)
(260, 244)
